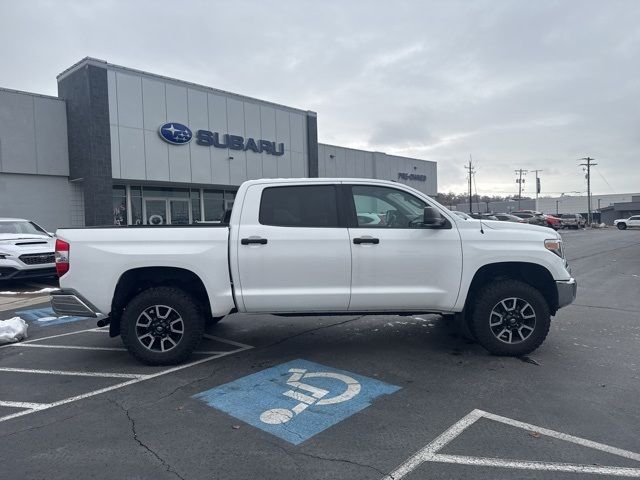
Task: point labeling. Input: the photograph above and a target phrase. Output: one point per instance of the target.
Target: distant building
(620, 210)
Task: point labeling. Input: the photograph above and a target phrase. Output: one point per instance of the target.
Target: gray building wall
(33, 134)
(334, 161)
(139, 103)
(34, 159)
(45, 199)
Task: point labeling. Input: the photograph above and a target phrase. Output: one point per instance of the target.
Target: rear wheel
(162, 326)
(622, 226)
(510, 317)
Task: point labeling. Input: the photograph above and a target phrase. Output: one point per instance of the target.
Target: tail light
(62, 257)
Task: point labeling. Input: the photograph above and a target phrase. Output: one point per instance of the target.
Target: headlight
(555, 246)
(3, 255)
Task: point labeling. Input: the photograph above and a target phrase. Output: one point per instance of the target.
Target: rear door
(398, 264)
(292, 252)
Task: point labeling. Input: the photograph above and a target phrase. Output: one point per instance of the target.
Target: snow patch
(37, 292)
(13, 330)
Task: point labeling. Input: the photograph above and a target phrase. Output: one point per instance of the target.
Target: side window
(384, 207)
(299, 206)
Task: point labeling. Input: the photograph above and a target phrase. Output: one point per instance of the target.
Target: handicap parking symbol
(296, 400)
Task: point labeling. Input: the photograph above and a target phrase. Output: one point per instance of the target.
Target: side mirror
(431, 218)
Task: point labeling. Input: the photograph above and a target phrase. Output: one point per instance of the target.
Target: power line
(589, 163)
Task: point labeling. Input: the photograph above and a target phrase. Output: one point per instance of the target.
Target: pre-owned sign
(412, 176)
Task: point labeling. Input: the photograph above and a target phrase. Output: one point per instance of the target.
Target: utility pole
(588, 164)
(520, 181)
(471, 171)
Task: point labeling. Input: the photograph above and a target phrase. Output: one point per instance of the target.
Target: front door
(155, 211)
(162, 211)
(292, 253)
(397, 264)
(179, 212)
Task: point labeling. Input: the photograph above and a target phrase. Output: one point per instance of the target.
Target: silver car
(26, 250)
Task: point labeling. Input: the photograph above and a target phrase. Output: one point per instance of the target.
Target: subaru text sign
(178, 134)
(175, 133)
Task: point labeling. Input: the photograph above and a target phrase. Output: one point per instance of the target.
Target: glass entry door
(163, 211)
(179, 212)
(155, 211)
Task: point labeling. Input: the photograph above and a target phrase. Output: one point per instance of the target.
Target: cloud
(517, 84)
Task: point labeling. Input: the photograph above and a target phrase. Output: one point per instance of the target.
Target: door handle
(253, 240)
(371, 240)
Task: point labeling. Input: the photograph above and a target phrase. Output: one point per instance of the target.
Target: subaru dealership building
(125, 147)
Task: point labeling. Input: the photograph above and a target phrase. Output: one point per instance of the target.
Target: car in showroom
(26, 250)
(572, 220)
(624, 223)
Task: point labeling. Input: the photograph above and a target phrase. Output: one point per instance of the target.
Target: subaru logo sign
(175, 133)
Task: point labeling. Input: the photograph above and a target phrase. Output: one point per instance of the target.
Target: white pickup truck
(321, 247)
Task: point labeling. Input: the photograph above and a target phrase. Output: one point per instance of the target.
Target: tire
(172, 310)
(488, 308)
(622, 226)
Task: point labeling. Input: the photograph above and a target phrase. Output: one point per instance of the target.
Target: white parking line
(68, 347)
(29, 407)
(429, 452)
(73, 373)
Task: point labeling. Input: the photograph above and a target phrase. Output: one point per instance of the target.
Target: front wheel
(510, 317)
(162, 326)
(622, 226)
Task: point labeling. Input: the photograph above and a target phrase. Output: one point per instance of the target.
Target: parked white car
(624, 223)
(26, 250)
(301, 247)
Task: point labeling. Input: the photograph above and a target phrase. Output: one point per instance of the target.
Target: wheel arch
(136, 280)
(533, 274)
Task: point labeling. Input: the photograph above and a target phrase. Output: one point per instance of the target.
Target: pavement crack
(617, 309)
(134, 432)
(330, 459)
(311, 330)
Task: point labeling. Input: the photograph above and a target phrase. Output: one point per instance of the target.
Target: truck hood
(517, 227)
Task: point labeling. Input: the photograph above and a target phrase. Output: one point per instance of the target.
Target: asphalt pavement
(341, 397)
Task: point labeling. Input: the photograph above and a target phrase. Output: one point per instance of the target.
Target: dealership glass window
(213, 205)
(158, 192)
(136, 205)
(383, 207)
(119, 205)
(299, 206)
(195, 206)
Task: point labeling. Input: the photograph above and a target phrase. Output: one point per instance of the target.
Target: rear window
(299, 206)
(568, 215)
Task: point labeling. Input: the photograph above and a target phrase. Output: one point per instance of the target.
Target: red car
(552, 222)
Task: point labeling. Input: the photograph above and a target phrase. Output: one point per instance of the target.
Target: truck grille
(38, 258)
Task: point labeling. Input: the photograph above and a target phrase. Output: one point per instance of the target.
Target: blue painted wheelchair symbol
(296, 400)
(283, 415)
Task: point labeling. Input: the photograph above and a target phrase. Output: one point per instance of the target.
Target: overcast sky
(517, 84)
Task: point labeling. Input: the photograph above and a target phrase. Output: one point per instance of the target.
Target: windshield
(27, 228)
(568, 215)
